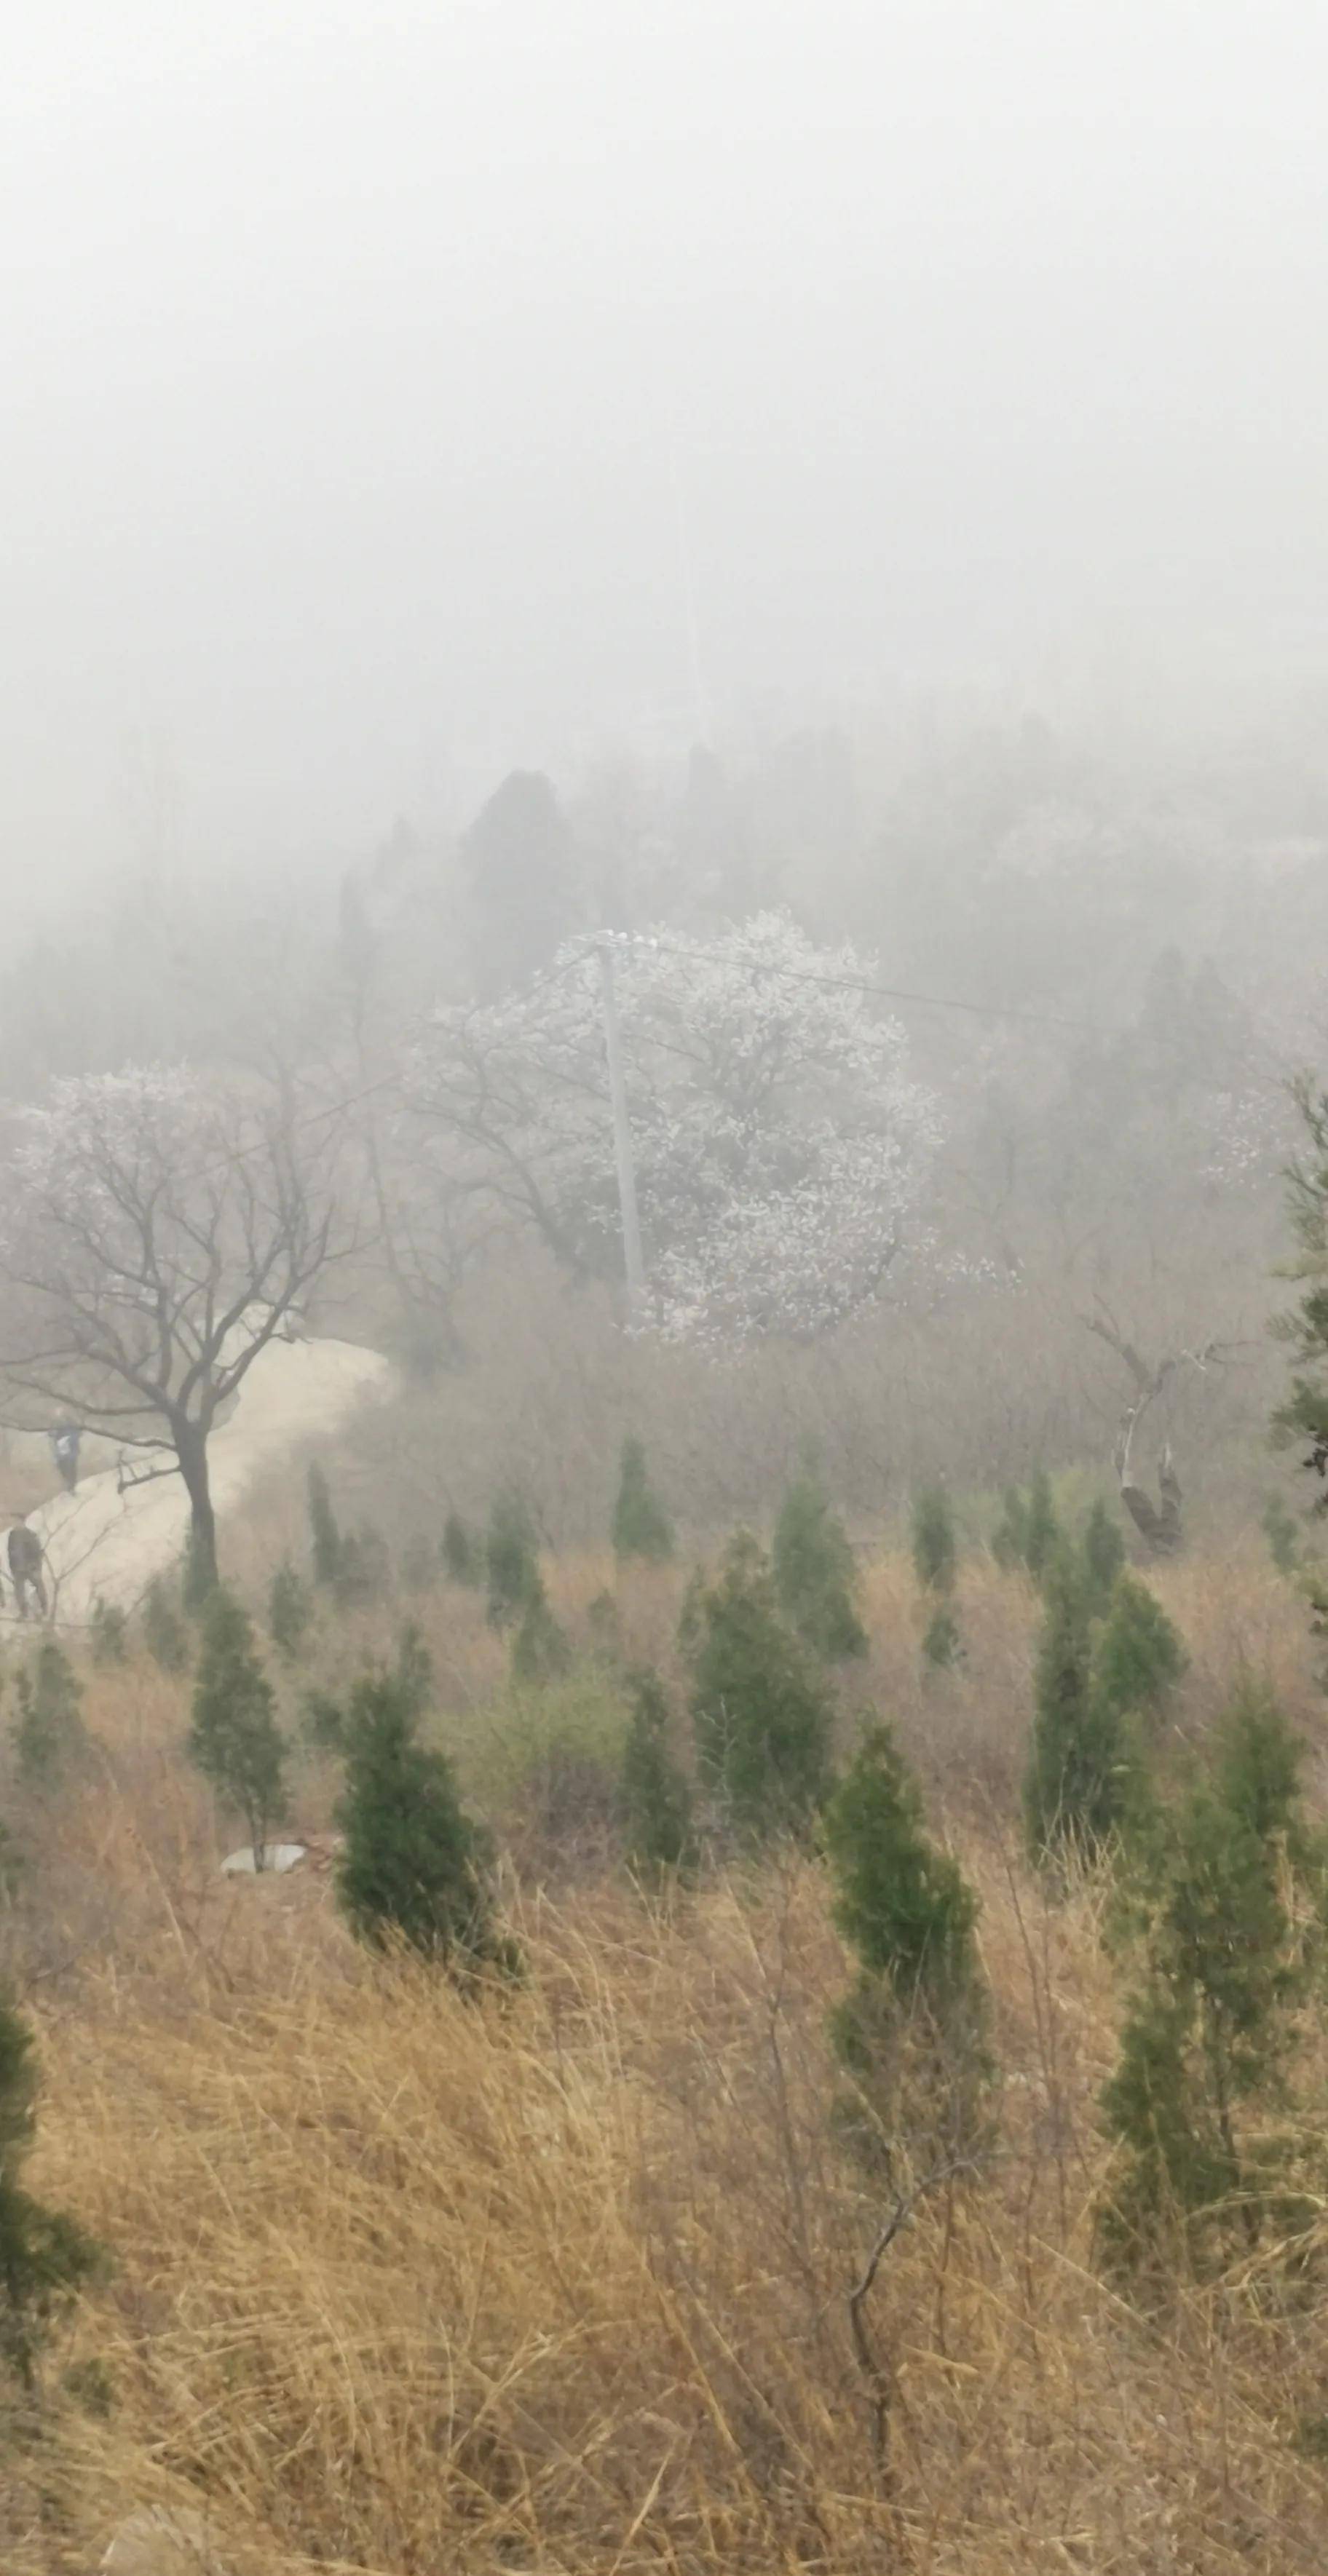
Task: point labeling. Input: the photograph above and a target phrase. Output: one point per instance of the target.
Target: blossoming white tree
(780, 1142)
(155, 1235)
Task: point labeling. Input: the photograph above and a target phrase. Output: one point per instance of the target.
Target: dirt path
(105, 1545)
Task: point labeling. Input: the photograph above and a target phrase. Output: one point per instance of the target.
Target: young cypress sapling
(935, 1556)
(164, 1632)
(1104, 1554)
(325, 1721)
(904, 1907)
(942, 1644)
(540, 1650)
(50, 1735)
(1233, 1914)
(44, 2255)
(364, 1571)
(1282, 1531)
(641, 1526)
(935, 1544)
(814, 1572)
(1009, 1541)
(691, 1626)
(1303, 1418)
(761, 1713)
(511, 1559)
(605, 1627)
(901, 1903)
(289, 1611)
(413, 1867)
(324, 1534)
(463, 1557)
(657, 1796)
(1138, 1656)
(1078, 1782)
(1042, 1535)
(234, 1737)
(108, 1629)
(418, 1564)
(11, 1866)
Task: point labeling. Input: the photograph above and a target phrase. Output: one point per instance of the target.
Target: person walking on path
(65, 1438)
(26, 1567)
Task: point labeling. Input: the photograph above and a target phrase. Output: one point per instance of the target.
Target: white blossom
(779, 1140)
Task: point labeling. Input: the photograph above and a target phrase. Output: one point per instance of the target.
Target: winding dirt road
(104, 1545)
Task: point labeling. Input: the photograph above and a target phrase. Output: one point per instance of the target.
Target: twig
(879, 2377)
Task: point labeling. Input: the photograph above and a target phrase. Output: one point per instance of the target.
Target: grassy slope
(407, 2286)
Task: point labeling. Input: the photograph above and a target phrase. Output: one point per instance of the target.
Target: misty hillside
(663, 1291)
(1104, 970)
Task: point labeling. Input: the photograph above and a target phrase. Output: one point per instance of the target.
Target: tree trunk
(191, 1450)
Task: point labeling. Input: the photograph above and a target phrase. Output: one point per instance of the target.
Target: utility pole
(622, 1144)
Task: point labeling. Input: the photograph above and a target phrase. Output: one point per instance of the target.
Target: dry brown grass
(405, 2286)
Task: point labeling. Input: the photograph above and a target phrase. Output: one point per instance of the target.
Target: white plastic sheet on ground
(276, 1858)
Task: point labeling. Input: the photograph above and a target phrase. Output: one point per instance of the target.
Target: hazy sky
(363, 358)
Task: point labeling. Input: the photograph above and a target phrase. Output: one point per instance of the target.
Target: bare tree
(156, 1235)
(1159, 1524)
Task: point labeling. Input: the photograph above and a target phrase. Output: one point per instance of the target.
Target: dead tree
(157, 1235)
(1159, 1523)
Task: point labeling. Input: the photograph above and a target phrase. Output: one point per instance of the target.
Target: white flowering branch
(781, 1144)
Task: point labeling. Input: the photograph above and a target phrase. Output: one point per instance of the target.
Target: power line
(627, 940)
(885, 992)
(896, 993)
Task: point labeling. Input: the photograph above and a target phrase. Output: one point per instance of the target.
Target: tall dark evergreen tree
(815, 1576)
(761, 1712)
(234, 1737)
(519, 861)
(641, 1526)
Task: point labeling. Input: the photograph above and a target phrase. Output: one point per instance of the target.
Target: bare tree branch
(158, 1237)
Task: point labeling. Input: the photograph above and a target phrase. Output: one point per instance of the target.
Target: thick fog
(397, 390)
